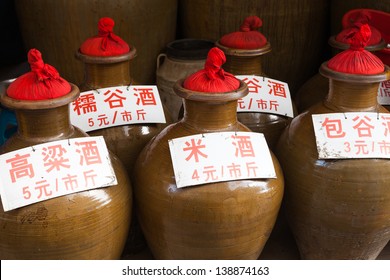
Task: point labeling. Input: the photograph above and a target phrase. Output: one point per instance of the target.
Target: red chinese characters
(115, 106)
(56, 168)
(208, 168)
(361, 134)
(265, 95)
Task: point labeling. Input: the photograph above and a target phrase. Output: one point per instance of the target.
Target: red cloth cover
(106, 43)
(356, 60)
(42, 82)
(354, 23)
(212, 79)
(248, 37)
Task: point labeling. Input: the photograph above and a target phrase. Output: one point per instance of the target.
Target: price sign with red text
(384, 93)
(113, 106)
(223, 156)
(265, 95)
(352, 135)
(53, 169)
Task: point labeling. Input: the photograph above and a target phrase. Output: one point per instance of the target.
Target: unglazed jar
(181, 58)
(90, 224)
(248, 62)
(337, 209)
(224, 220)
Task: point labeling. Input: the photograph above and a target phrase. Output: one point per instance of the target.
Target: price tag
(223, 156)
(384, 93)
(352, 135)
(266, 95)
(53, 169)
(113, 106)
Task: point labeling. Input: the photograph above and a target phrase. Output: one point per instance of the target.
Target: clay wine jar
(126, 141)
(337, 208)
(90, 224)
(223, 220)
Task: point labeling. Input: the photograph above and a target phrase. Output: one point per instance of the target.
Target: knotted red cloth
(212, 79)
(106, 43)
(43, 82)
(248, 37)
(356, 60)
(364, 17)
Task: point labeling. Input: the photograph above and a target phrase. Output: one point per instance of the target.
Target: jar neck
(53, 123)
(244, 65)
(349, 96)
(101, 75)
(208, 116)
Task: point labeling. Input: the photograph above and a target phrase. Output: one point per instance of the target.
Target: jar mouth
(355, 78)
(12, 103)
(241, 92)
(343, 46)
(245, 52)
(106, 59)
(190, 49)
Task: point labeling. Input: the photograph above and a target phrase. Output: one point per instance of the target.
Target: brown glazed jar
(248, 62)
(126, 141)
(90, 224)
(224, 220)
(337, 209)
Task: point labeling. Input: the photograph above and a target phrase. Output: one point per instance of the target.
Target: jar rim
(106, 59)
(210, 96)
(12, 103)
(245, 52)
(355, 78)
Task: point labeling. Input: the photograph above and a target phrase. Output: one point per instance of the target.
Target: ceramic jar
(224, 220)
(90, 224)
(337, 208)
(248, 62)
(181, 58)
(126, 141)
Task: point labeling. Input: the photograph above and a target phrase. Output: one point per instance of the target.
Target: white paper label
(266, 95)
(352, 135)
(384, 93)
(113, 106)
(53, 169)
(223, 156)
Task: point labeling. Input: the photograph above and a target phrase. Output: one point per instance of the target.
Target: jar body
(337, 209)
(85, 225)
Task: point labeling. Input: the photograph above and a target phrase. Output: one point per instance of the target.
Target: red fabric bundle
(248, 37)
(212, 78)
(356, 60)
(364, 17)
(106, 43)
(43, 82)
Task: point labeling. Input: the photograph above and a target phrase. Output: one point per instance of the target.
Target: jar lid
(353, 21)
(41, 83)
(190, 49)
(212, 79)
(247, 37)
(357, 60)
(106, 43)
